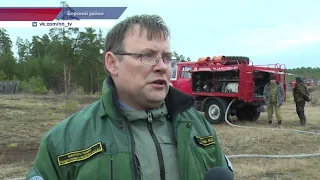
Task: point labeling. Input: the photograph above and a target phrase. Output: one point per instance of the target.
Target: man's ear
(111, 63)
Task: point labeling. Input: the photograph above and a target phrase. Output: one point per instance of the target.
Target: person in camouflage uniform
(301, 95)
(273, 95)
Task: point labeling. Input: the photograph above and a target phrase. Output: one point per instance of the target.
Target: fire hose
(265, 155)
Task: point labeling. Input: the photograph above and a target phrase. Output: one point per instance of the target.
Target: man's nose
(161, 66)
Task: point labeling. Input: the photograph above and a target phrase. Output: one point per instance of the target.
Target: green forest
(67, 60)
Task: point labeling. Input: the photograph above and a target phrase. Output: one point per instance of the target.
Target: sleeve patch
(204, 141)
(36, 178)
(76, 156)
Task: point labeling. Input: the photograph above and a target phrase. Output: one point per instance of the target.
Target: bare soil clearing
(25, 118)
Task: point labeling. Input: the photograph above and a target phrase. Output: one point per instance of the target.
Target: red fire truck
(215, 82)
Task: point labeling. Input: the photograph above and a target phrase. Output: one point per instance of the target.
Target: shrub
(69, 106)
(2, 76)
(80, 91)
(314, 98)
(34, 85)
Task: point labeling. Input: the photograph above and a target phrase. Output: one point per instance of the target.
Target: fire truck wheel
(214, 110)
(247, 113)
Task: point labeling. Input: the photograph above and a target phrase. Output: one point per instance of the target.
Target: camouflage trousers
(300, 111)
(271, 108)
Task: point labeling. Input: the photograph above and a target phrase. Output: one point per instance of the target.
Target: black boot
(300, 118)
(279, 123)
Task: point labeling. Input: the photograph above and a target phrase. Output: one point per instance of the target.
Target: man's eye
(167, 58)
(149, 55)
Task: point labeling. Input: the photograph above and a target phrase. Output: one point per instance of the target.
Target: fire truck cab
(215, 82)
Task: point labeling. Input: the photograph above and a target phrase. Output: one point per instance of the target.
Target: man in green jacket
(141, 127)
(300, 96)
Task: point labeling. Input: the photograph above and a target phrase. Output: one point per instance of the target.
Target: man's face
(272, 81)
(136, 82)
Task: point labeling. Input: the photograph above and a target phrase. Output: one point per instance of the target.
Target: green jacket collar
(158, 114)
(176, 101)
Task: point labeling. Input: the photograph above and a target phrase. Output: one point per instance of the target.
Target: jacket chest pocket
(107, 167)
(169, 150)
(170, 156)
(148, 160)
(100, 167)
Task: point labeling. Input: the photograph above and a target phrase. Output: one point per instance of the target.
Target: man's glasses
(149, 58)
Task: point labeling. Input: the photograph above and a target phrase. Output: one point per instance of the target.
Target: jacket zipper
(133, 153)
(139, 168)
(158, 149)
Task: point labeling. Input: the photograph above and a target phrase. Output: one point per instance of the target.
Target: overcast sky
(206, 28)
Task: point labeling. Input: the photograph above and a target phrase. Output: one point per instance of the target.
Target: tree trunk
(98, 77)
(65, 78)
(69, 79)
(91, 76)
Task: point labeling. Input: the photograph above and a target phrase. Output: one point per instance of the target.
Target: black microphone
(218, 173)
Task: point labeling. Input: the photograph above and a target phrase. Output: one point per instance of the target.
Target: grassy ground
(25, 118)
